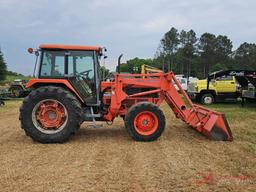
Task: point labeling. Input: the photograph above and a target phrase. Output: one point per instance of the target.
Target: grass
(10, 105)
(235, 110)
(181, 160)
(13, 77)
(242, 121)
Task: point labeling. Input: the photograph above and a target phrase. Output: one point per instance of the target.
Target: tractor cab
(79, 65)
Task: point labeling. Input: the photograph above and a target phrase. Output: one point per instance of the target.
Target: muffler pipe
(119, 63)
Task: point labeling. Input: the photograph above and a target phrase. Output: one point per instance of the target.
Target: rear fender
(59, 82)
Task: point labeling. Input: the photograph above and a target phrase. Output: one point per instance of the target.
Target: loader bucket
(210, 123)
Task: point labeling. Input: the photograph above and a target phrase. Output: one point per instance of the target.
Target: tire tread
(129, 121)
(75, 113)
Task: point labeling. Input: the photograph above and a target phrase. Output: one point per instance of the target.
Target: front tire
(16, 91)
(207, 99)
(50, 114)
(145, 122)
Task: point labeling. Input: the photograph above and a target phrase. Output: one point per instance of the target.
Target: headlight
(196, 88)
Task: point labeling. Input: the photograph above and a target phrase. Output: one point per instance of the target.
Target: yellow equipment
(146, 69)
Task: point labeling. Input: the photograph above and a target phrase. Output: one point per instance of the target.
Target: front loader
(68, 90)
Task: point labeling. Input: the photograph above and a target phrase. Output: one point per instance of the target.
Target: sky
(131, 27)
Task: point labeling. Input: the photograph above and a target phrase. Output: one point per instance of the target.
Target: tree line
(185, 53)
(3, 67)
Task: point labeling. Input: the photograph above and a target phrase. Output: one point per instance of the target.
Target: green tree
(245, 56)
(169, 44)
(159, 58)
(223, 53)
(134, 65)
(187, 50)
(3, 67)
(223, 48)
(159, 61)
(192, 55)
(207, 44)
(219, 67)
(215, 52)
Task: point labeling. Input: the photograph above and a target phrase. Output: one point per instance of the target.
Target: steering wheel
(85, 73)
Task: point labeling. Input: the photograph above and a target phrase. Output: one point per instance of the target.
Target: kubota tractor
(69, 90)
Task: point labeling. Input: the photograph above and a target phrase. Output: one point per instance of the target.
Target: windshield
(52, 64)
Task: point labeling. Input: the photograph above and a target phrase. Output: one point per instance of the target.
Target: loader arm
(208, 122)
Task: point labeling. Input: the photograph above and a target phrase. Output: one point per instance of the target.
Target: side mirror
(30, 50)
(103, 52)
(37, 53)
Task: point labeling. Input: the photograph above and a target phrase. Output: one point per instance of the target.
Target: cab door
(225, 84)
(81, 70)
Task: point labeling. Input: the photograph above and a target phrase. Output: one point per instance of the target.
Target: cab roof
(70, 47)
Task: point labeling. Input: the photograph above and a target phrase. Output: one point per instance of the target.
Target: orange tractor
(68, 90)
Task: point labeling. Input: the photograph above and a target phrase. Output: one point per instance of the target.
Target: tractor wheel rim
(146, 123)
(15, 93)
(49, 116)
(208, 100)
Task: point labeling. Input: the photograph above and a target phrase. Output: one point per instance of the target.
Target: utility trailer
(245, 78)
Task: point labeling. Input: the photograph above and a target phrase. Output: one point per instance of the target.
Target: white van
(184, 81)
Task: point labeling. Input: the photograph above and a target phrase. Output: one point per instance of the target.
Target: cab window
(52, 64)
(81, 70)
(182, 81)
(81, 63)
(225, 78)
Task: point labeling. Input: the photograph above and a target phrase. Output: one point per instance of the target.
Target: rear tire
(36, 128)
(145, 122)
(207, 99)
(16, 91)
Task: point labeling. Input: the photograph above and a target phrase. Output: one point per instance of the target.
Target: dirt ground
(107, 159)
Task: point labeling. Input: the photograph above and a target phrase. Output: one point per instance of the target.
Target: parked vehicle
(184, 81)
(17, 88)
(146, 69)
(218, 88)
(245, 80)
